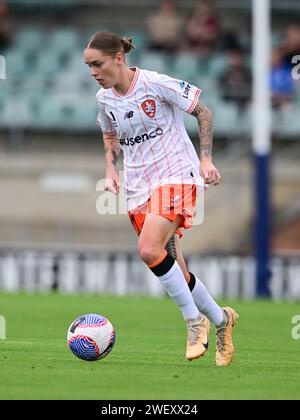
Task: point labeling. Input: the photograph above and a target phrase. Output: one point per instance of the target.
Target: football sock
(225, 322)
(205, 302)
(170, 275)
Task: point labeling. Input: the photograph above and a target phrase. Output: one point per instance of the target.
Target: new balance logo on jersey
(128, 115)
(149, 107)
(140, 139)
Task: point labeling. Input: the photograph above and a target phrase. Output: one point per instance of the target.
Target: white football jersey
(148, 122)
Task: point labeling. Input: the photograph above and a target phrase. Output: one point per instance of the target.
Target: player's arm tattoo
(205, 121)
(112, 149)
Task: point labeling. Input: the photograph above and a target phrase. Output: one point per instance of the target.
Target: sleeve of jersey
(104, 121)
(179, 93)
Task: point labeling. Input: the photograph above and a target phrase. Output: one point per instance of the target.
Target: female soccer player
(140, 113)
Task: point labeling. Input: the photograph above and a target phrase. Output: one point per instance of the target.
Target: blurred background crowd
(200, 42)
(51, 153)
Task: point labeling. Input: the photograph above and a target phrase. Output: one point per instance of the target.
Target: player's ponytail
(110, 43)
(127, 44)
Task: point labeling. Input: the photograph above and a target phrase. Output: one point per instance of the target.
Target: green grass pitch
(147, 361)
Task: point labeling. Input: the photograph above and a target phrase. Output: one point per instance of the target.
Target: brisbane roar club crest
(149, 107)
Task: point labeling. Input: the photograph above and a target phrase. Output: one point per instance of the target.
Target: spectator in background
(5, 37)
(291, 44)
(282, 84)
(203, 29)
(164, 27)
(235, 82)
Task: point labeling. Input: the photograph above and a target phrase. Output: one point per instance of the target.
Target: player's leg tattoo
(171, 247)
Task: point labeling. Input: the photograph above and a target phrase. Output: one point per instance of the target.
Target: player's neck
(126, 79)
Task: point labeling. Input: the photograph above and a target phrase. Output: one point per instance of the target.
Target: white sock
(206, 304)
(177, 288)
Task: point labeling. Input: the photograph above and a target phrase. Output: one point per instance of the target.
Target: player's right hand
(112, 182)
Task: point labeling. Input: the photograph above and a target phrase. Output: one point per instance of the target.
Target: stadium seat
(85, 114)
(63, 40)
(209, 88)
(186, 67)
(16, 63)
(48, 63)
(225, 118)
(29, 38)
(69, 82)
(76, 64)
(56, 112)
(154, 61)
(290, 122)
(246, 121)
(8, 87)
(67, 112)
(34, 87)
(217, 65)
(16, 113)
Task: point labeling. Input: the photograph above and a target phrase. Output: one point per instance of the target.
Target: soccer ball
(91, 337)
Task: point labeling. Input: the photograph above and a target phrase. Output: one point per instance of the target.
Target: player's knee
(149, 253)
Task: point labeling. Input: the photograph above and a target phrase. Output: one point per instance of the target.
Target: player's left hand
(209, 172)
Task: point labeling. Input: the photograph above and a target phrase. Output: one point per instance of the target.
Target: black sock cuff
(164, 267)
(192, 282)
